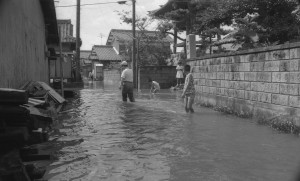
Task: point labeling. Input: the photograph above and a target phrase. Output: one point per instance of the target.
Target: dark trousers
(127, 91)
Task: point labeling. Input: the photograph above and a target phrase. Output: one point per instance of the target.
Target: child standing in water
(188, 90)
(154, 86)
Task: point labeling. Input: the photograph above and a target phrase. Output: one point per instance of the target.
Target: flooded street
(153, 139)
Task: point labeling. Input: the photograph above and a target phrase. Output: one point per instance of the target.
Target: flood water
(153, 139)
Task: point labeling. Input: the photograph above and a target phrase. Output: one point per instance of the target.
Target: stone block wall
(164, 75)
(260, 82)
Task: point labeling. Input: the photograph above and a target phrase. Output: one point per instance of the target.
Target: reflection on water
(153, 139)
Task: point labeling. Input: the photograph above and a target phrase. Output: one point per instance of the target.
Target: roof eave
(48, 8)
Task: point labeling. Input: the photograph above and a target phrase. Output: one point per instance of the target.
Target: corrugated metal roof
(105, 52)
(84, 54)
(126, 35)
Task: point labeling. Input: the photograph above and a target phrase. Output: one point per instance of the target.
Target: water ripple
(153, 139)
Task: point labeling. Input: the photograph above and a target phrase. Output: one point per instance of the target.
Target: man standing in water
(127, 82)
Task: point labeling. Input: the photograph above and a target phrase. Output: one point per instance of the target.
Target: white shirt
(127, 75)
(156, 85)
(179, 69)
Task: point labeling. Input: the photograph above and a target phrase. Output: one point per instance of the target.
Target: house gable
(104, 53)
(123, 36)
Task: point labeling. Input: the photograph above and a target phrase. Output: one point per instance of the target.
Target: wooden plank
(53, 93)
(13, 111)
(13, 96)
(28, 150)
(24, 86)
(35, 102)
(11, 167)
(14, 137)
(34, 157)
(34, 172)
(40, 115)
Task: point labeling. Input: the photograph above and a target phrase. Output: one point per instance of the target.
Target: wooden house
(121, 40)
(68, 44)
(104, 57)
(28, 35)
(85, 62)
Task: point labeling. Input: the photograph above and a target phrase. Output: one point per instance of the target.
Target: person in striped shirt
(189, 89)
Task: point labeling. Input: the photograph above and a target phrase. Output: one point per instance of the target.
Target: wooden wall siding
(22, 43)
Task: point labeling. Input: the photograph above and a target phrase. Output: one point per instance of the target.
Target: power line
(119, 2)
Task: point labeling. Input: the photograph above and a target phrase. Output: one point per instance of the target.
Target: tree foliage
(275, 24)
(274, 15)
(152, 48)
(246, 34)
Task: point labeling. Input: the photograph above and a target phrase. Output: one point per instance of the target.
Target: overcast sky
(98, 20)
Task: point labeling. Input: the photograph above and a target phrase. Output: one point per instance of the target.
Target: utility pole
(134, 64)
(61, 65)
(77, 72)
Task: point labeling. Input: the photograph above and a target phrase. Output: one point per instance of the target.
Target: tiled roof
(84, 54)
(87, 61)
(126, 35)
(84, 62)
(105, 52)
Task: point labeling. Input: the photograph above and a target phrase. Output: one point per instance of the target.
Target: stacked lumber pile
(22, 122)
(42, 91)
(14, 119)
(26, 116)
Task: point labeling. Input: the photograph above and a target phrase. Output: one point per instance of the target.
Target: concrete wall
(260, 82)
(112, 75)
(22, 43)
(164, 75)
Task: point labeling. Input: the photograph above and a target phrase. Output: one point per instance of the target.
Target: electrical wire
(119, 2)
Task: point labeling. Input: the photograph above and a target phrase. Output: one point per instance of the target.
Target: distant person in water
(154, 86)
(189, 89)
(91, 76)
(127, 82)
